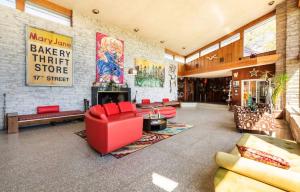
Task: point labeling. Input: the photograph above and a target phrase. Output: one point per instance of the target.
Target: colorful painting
(149, 74)
(110, 59)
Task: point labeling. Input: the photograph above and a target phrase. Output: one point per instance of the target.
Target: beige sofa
(240, 174)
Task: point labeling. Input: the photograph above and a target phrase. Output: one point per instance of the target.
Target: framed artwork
(48, 58)
(149, 74)
(109, 59)
(236, 84)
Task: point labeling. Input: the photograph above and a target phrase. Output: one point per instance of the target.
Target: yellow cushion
(281, 178)
(228, 181)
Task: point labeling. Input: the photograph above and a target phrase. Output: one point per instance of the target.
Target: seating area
(149, 96)
(259, 120)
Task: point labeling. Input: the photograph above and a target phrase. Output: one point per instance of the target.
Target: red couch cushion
(165, 100)
(121, 116)
(47, 109)
(145, 101)
(111, 109)
(98, 112)
(126, 106)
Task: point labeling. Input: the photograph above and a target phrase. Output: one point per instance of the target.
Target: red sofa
(112, 126)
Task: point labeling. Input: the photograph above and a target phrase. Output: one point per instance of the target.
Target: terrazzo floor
(53, 158)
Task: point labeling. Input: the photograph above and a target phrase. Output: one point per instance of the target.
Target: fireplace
(102, 95)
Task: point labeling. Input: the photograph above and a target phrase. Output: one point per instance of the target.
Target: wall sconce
(132, 71)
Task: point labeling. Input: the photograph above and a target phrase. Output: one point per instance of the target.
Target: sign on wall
(110, 59)
(149, 74)
(49, 58)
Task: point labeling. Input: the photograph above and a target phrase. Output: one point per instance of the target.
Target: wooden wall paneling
(185, 89)
(239, 30)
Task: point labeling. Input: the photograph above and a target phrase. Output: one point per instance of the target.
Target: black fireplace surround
(102, 95)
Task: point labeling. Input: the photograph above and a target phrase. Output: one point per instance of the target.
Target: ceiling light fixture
(271, 3)
(136, 30)
(183, 48)
(96, 11)
(162, 42)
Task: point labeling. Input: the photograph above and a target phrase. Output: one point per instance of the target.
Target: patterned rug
(149, 138)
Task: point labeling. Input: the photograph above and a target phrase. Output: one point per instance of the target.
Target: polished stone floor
(53, 158)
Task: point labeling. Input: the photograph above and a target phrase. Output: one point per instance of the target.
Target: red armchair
(112, 126)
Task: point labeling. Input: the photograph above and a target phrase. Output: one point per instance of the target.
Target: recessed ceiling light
(96, 11)
(136, 30)
(271, 3)
(183, 48)
(162, 42)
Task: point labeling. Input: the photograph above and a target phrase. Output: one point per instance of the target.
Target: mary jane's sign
(49, 58)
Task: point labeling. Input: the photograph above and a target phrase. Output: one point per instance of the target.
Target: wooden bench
(14, 121)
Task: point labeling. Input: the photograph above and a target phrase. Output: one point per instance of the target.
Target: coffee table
(154, 122)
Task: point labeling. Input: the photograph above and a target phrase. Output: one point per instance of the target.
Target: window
(261, 37)
(192, 57)
(179, 59)
(47, 14)
(8, 3)
(210, 49)
(169, 56)
(230, 40)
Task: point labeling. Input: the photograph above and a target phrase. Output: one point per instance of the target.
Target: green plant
(280, 81)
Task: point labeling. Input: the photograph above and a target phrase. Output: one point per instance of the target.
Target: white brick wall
(288, 45)
(292, 53)
(24, 99)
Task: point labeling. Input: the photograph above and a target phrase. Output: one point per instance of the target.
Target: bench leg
(12, 124)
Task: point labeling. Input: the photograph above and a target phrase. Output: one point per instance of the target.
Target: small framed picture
(236, 84)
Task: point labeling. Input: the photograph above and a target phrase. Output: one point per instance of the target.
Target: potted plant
(280, 81)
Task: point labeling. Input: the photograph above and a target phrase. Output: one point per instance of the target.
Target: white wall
(24, 99)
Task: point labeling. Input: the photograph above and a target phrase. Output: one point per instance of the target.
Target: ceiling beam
(52, 6)
(168, 51)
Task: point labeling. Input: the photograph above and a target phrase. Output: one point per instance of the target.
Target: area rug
(149, 138)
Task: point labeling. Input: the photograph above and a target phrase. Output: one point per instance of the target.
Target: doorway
(253, 91)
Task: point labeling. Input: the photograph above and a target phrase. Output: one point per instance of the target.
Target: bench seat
(14, 121)
(33, 117)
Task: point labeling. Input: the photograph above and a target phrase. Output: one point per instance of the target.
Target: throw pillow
(125, 106)
(98, 112)
(111, 109)
(263, 157)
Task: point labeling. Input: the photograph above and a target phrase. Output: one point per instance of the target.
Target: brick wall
(292, 53)
(281, 19)
(288, 45)
(24, 99)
